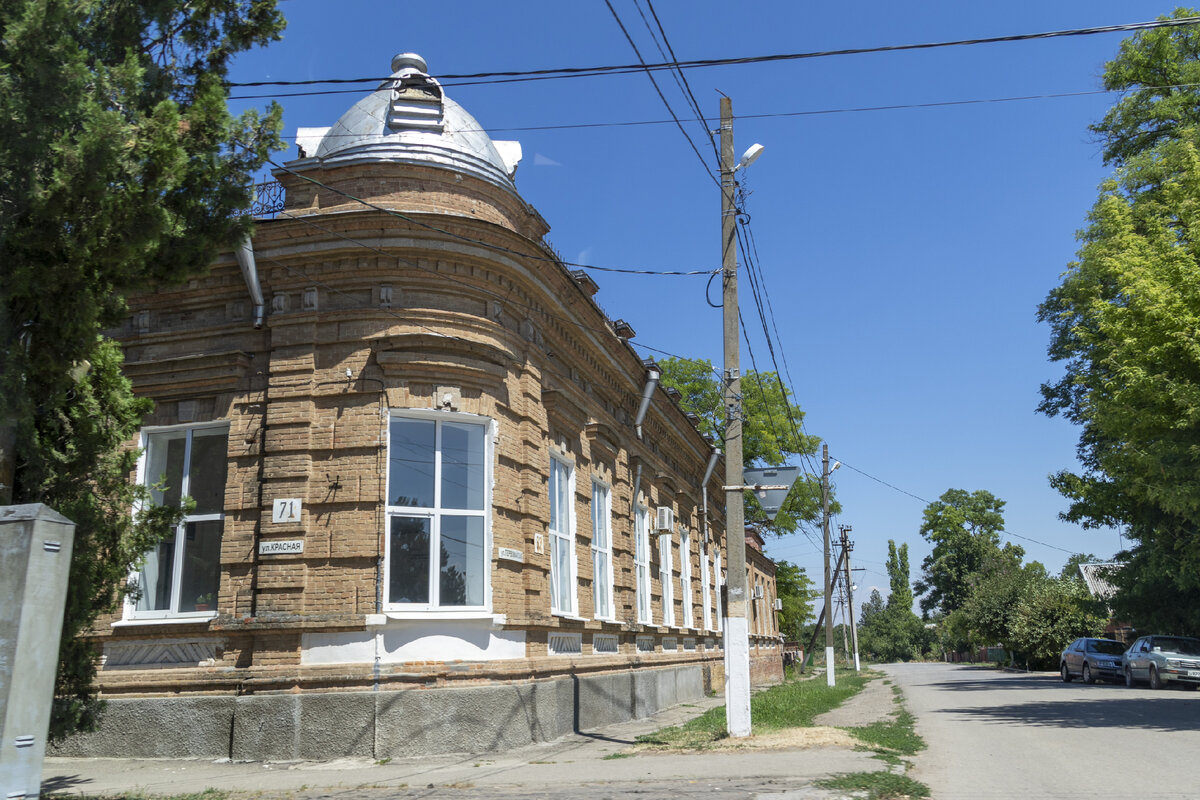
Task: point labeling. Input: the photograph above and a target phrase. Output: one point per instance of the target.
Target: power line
(661, 96)
(574, 72)
(681, 79)
(478, 242)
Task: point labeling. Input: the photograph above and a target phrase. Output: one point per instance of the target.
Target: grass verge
(893, 737)
(877, 785)
(793, 704)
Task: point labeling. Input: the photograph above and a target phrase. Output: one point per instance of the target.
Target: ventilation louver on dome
(416, 103)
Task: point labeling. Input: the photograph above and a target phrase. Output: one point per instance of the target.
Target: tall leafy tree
(1124, 322)
(120, 168)
(964, 529)
(769, 436)
(1124, 325)
(894, 632)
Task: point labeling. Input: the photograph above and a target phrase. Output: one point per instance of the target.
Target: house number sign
(287, 510)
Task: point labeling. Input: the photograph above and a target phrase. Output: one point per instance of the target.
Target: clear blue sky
(905, 250)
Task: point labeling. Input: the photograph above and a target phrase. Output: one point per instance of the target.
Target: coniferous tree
(120, 168)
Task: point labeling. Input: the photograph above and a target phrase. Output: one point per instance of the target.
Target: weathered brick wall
(367, 315)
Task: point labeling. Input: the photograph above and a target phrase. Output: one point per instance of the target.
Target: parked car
(1092, 659)
(1160, 660)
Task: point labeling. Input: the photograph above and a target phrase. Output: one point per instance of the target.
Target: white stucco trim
(433, 640)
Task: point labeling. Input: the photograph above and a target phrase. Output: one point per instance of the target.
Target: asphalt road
(995, 734)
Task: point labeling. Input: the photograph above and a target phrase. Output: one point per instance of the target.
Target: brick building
(432, 509)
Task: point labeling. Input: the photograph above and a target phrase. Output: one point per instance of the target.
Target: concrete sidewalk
(564, 767)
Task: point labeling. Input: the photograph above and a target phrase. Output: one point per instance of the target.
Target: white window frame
(705, 590)
(665, 570)
(641, 562)
(131, 611)
(602, 553)
(435, 514)
(685, 576)
(719, 581)
(563, 538)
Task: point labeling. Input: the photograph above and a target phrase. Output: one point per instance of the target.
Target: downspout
(652, 376)
(245, 258)
(712, 463)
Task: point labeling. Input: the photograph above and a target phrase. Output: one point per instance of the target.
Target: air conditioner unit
(665, 518)
(758, 592)
(779, 604)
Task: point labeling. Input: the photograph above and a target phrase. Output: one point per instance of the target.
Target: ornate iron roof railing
(268, 200)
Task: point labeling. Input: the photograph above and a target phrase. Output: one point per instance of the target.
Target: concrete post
(35, 559)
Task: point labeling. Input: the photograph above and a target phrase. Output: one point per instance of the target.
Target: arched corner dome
(409, 120)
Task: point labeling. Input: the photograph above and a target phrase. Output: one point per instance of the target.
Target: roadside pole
(847, 547)
(737, 641)
(829, 679)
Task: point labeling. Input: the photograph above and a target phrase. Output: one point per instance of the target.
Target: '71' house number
(286, 510)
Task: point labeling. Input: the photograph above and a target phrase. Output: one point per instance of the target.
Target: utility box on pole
(35, 559)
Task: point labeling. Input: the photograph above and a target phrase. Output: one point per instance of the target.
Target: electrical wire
(707, 170)
(478, 242)
(574, 72)
(681, 79)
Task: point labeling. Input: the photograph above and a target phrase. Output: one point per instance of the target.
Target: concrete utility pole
(847, 547)
(737, 642)
(829, 679)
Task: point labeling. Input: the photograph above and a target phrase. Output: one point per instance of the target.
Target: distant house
(1097, 577)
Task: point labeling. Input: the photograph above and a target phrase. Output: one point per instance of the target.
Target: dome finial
(408, 60)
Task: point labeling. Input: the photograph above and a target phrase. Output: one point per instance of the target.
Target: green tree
(872, 608)
(768, 434)
(1158, 71)
(796, 590)
(994, 595)
(120, 168)
(1124, 324)
(964, 529)
(894, 633)
(1051, 613)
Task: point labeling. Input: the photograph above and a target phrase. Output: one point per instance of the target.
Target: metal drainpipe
(245, 259)
(652, 376)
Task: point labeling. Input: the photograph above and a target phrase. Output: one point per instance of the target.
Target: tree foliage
(768, 436)
(1053, 612)
(120, 168)
(1159, 72)
(796, 590)
(893, 632)
(964, 529)
(1124, 323)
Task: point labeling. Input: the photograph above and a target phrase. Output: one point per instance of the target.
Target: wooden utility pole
(737, 641)
(820, 621)
(847, 547)
(829, 679)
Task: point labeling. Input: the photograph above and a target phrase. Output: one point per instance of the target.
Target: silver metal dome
(409, 120)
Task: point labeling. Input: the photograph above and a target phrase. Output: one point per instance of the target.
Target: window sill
(572, 617)
(133, 623)
(375, 620)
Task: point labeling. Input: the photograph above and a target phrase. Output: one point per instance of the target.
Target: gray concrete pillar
(35, 559)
